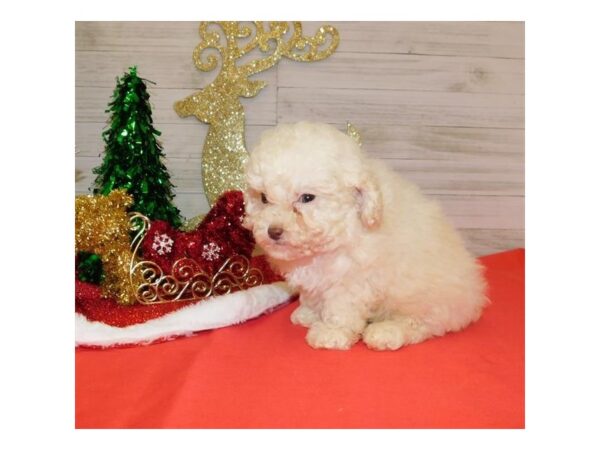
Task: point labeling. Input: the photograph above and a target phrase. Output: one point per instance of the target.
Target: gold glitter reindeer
(218, 104)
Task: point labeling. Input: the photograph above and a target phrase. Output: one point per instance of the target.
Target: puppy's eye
(263, 198)
(305, 198)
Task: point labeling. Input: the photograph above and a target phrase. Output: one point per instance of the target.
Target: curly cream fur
(371, 256)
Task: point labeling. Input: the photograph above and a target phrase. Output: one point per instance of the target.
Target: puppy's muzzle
(275, 232)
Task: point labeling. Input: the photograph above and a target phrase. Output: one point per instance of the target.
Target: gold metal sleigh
(187, 281)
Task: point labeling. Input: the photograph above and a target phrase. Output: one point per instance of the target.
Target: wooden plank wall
(442, 102)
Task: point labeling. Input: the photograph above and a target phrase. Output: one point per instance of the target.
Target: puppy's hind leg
(391, 334)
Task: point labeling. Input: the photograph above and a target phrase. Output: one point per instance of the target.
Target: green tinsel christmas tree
(132, 155)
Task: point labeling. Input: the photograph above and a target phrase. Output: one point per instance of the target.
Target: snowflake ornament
(211, 251)
(162, 244)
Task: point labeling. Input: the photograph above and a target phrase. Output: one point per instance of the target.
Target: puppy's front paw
(321, 335)
(386, 335)
(304, 316)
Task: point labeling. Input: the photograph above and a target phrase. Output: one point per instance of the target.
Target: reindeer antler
(209, 39)
(299, 43)
(267, 39)
(297, 48)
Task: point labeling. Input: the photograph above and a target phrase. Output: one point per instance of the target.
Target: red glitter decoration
(219, 236)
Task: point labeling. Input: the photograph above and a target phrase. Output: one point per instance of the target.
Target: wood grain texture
(174, 70)
(441, 102)
(488, 39)
(408, 73)
(396, 107)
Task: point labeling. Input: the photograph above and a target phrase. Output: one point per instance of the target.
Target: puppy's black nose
(275, 232)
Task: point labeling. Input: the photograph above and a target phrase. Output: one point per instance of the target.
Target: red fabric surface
(262, 374)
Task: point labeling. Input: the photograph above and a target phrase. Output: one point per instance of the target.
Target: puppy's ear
(370, 202)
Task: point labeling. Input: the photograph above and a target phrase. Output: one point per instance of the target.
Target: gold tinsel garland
(102, 227)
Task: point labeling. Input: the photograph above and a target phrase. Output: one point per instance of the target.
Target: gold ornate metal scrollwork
(187, 281)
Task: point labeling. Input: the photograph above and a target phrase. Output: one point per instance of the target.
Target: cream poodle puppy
(371, 257)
